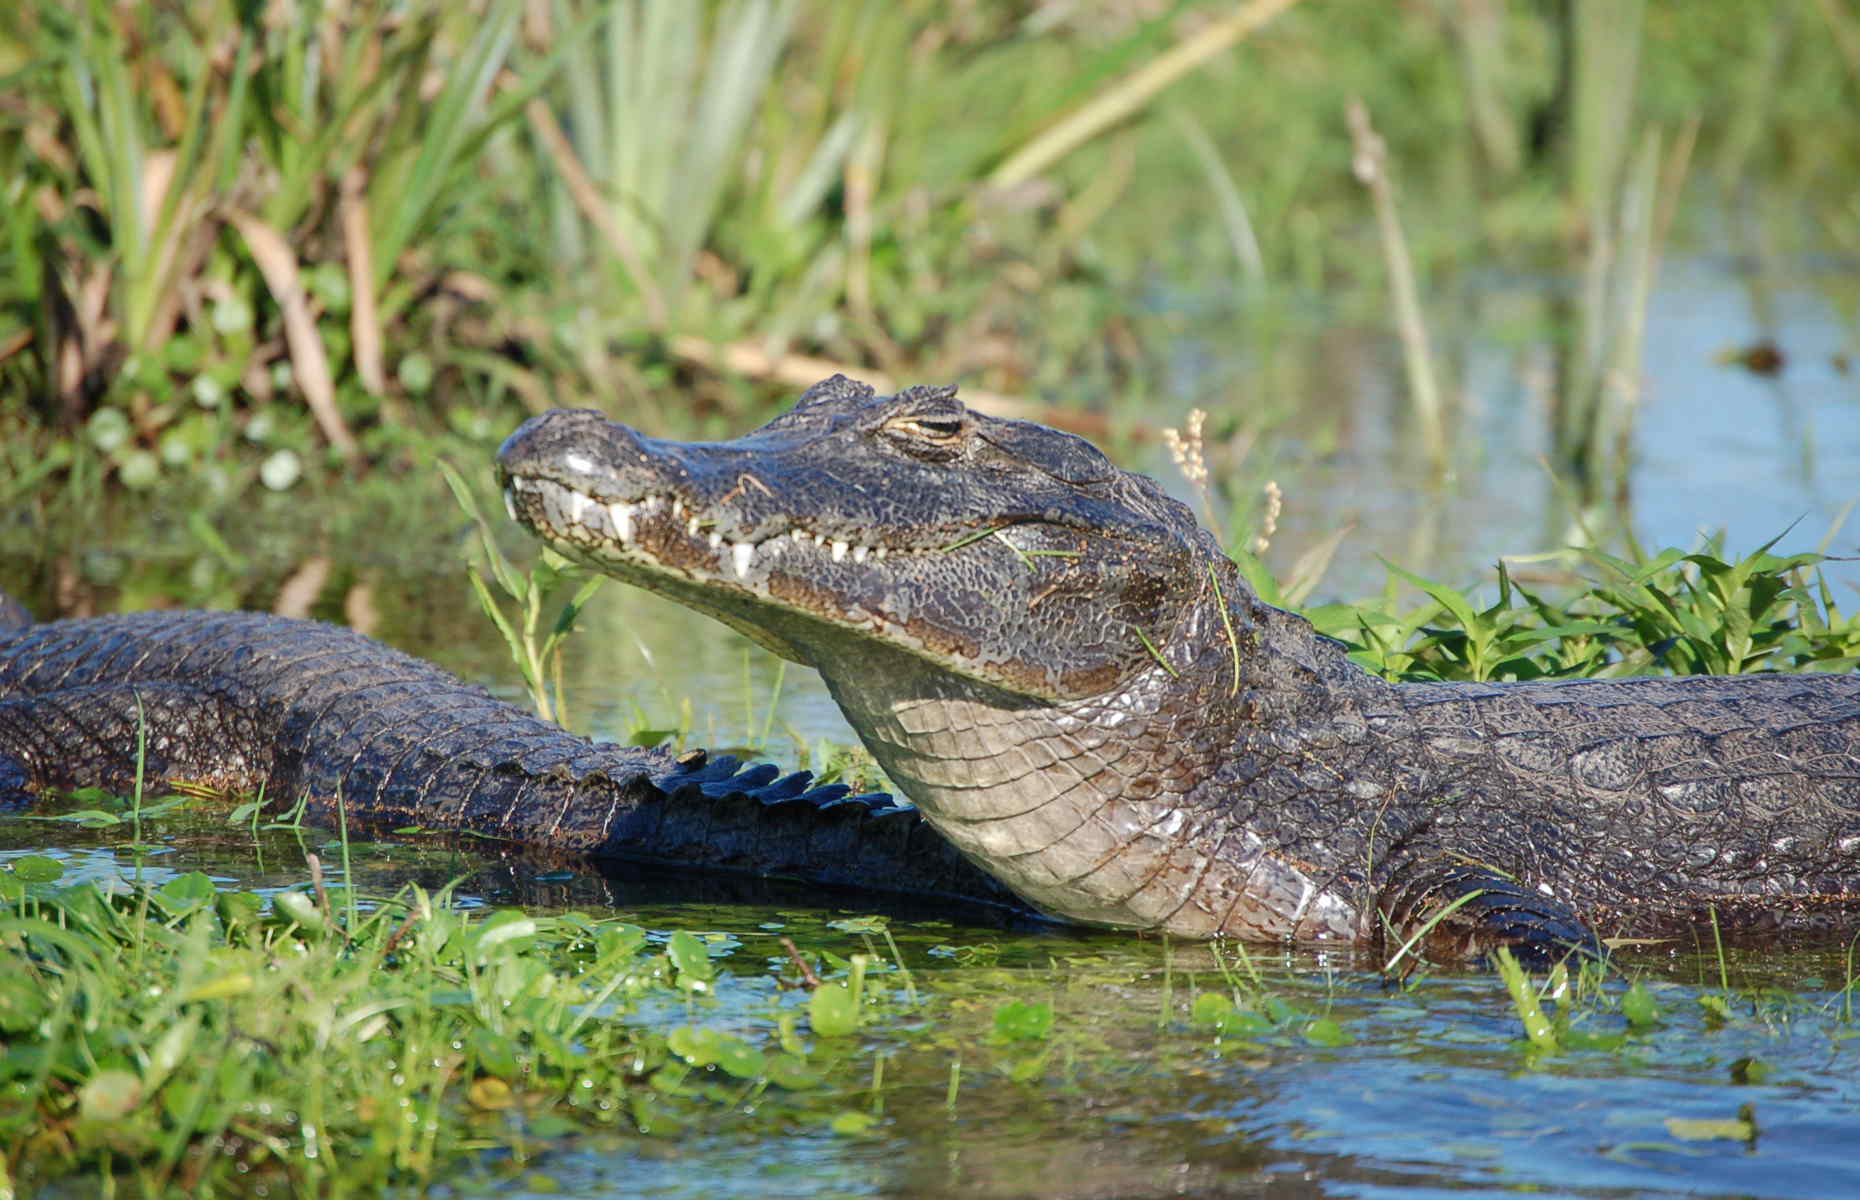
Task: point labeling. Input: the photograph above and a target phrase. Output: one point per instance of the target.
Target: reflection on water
(1716, 447)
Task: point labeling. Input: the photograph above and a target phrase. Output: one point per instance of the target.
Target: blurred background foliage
(246, 244)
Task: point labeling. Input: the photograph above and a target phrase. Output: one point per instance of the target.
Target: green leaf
(690, 958)
(170, 1050)
(832, 1010)
(1537, 1027)
(1211, 1008)
(188, 892)
(702, 1047)
(792, 1072)
(497, 1054)
(1705, 1129)
(506, 932)
(1024, 1021)
(238, 908)
(37, 868)
(1639, 1006)
(1326, 1031)
(616, 942)
(1216, 1011)
(1751, 1071)
(24, 1001)
(299, 907)
(852, 1124)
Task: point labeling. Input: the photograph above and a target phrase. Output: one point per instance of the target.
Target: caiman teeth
(622, 518)
(510, 502)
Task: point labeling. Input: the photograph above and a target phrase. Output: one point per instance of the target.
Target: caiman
(1079, 691)
(1091, 711)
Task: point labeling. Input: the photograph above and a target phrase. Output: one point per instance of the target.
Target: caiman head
(1006, 552)
(1044, 652)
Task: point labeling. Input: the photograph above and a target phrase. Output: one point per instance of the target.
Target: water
(1430, 1092)
(1420, 1089)
(1716, 449)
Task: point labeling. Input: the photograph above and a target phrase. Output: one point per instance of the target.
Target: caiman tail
(252, 704)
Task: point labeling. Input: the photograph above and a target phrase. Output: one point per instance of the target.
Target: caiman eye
(937, 435)
(936, 429)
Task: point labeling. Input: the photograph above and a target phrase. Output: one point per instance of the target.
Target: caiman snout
(576, 447)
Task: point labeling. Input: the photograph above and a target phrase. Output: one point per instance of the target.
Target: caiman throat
(1080, 692)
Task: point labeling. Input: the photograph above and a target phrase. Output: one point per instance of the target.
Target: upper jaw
(661, 528)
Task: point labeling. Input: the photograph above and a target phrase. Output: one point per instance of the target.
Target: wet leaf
(650, 1115)
(1708, 1129)
(792, 1072)
(832, 1011)
(37, 868)
(853, 1124)
(1639, 1006)
(1751, 1071)
(692, 960)
(188, 892)
(703, 1047)
(1325, 1031)
(616, 942)
(299, 907)
(1022, 1021)
(548, 1125)
(1211, 1008)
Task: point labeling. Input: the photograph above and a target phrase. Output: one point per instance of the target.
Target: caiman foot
(1462, 911)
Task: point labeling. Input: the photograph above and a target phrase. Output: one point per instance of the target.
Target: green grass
(1680, 613)
(188, 1038)
(245, 251)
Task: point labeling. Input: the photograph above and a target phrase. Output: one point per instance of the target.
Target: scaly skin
(1080, 692)
(248, 703)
